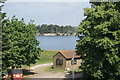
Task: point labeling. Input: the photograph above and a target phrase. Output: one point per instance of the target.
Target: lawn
(50, 68)
(45, 57)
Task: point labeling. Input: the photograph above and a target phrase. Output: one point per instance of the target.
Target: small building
(64, 60)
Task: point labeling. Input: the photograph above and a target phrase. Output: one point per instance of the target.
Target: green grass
(50, 68)
(45, 57)
(78, 70)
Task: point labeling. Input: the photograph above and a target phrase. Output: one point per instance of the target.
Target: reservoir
(57, 42)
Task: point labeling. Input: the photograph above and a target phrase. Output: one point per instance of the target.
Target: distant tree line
(44, 28)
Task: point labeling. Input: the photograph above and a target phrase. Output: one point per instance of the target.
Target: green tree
(57, 29)
(99, 38)
(38, 28)
(43, 28)
(50, 28)
(19, 44)
(1, 18)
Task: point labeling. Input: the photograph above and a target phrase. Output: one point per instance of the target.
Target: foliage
(100, 40)
(2, 0)
(1, 13)
(44, 28)
(19, 44)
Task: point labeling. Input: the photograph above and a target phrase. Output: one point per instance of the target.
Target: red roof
(68, 54)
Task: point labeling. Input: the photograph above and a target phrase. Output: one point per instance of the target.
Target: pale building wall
(60, 57)
(76, 66)
(66, 63)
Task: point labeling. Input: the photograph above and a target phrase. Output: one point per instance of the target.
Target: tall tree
(99, 38)
(2, 15)
(19, 44)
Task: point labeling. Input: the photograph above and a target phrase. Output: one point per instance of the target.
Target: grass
(50, 68)
(45, 57)
(76, 71)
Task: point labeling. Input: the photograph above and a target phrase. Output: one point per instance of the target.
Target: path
(40, 65)
(40, 72)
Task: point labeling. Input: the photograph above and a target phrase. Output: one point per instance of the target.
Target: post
(73, 74)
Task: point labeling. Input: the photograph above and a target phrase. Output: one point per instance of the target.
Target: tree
(99, 38)
(2, 15)
(44, 28)
(19, 44)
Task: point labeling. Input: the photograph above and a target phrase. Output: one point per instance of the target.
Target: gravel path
(40, 72)
(40, 65)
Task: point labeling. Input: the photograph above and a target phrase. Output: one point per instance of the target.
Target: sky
(47, 0)
(46, 12)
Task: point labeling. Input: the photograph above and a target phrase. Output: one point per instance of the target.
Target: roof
(68, 54)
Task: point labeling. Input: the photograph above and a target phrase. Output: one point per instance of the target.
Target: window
(59, 62)
(75, 62)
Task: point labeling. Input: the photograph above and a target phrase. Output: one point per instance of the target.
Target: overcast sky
(47, 0)
(61, 13)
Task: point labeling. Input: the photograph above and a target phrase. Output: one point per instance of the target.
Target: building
(64, 60)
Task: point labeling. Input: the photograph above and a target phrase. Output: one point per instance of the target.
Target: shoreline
(55, 34)
(56, 50)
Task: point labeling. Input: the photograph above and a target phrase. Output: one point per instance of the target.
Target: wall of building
(60, 57)
(69, 66)
(66, 63)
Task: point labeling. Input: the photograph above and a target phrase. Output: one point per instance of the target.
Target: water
(57, 42)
